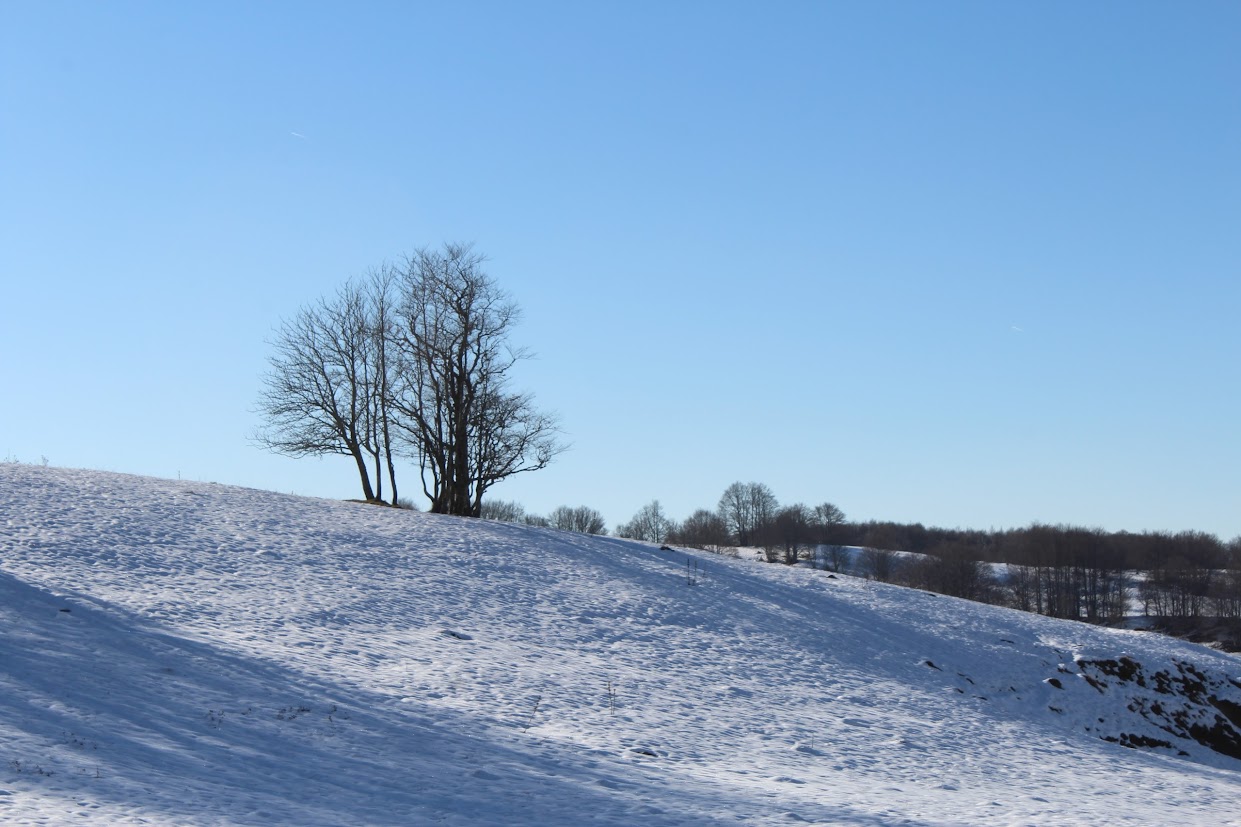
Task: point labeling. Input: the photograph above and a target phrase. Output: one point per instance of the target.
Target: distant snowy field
(183, 653)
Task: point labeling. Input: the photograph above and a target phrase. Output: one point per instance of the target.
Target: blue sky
(969, 264)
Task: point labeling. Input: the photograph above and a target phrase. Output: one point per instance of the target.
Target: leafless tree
(381, 318)
(792, 527)
(705, 530)
(953, 570)
(413, 360)
(827, 520)
(836, 557)
(649, 524)
(319, 396)
(456, 412)
(582, 519)
(877, 563)
(503, 511)
(747, 509)
(1020, 585)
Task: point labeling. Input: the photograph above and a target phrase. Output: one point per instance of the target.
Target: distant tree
(1180, 587)
(503, 511)
(733, 509)
(1019, 587)
(836, 557)
(763, 508)
(649, 524)
(1228, 591)
(1098, 575)
(1225, 594)
(581, 519)
(884, 535)
(747, 509)
(827, 520)
(703, 529)
(792, 527)
(457, 414)
(878, 564)
(952, 569)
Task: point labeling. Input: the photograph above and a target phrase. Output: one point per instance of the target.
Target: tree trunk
(367, 491)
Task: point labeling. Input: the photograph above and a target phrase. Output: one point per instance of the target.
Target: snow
(189, 653)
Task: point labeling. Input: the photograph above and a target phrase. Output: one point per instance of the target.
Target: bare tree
(735, 512)
(415, 359)
(582, 519)
(456, 413)
(827, 520)
(703, 529)
(649, 524)
(503, 511)
(793, 532)
(828, 528)
(877, 563)
(836, 557)
(381, 326)
(319, 396)
(746, 508)
(951, 569)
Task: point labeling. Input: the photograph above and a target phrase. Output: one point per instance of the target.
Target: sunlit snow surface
(231, 656)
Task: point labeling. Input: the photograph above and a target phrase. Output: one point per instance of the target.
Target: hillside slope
(190, 653)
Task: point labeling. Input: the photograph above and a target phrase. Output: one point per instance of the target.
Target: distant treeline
(1057, 570)
(1066, 571)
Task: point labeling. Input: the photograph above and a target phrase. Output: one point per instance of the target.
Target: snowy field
(184, 653)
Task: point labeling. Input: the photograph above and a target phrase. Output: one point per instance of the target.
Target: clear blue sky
(970, 264)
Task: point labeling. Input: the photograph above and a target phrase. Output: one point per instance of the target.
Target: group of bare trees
(581, 518)
(650, 524)
(1192, 575)
(747, 515)
(1067, 571)
(1096, 576)
(412, 361)
(1058, 570)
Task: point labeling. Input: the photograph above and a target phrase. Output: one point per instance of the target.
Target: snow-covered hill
(189, 653)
